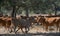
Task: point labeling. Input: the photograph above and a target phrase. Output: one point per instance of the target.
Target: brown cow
(8, 22)
(5, 22)
(42, 21)
(48, 21)
(57, 22)
(54, 21)
(2, 22)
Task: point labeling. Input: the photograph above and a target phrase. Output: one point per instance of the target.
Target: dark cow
(21, 23)
(33, 19)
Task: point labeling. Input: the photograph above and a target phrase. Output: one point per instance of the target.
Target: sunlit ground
(35, 29)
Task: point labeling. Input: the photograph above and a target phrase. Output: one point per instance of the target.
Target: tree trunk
(27, 12)
(1, 13)
(14, 12)
(55, 10)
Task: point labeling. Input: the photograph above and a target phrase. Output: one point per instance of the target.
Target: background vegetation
(27, 7)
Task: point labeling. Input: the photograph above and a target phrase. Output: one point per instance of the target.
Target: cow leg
(22, 30)
(7, 29)
(43, 27)
(11, 29)
(18, 29)
(46, 27)
(57, 27)
(26, 30)
(15, 29)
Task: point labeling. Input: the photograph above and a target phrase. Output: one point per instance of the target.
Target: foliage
(37, 6)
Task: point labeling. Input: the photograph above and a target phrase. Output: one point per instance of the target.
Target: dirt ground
(35, 29)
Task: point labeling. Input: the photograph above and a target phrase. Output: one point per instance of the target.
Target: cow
(21, 23)
(8, 23)
(48, 21)
(2, 23)
(33, 20)
(42, 21)
(54, 21)
(5, 22)
(57, 22)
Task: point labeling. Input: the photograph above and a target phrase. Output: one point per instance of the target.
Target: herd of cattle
(21, 22)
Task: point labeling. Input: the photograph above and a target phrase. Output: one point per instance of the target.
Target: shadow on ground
(31, 34)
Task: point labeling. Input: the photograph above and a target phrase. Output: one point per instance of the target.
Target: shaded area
(31, 34)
